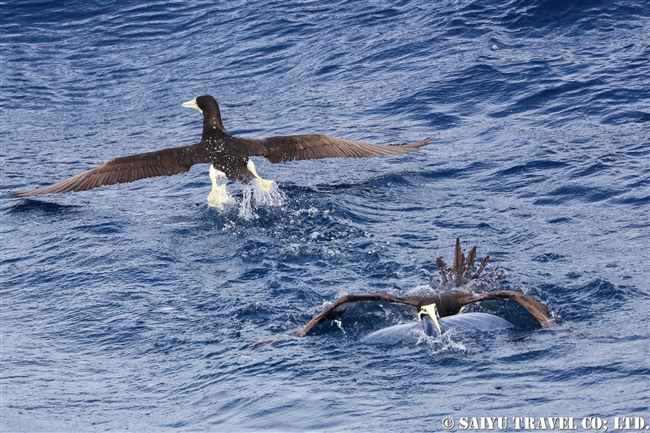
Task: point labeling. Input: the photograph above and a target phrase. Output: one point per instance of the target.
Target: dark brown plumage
(457, 293)
(227, 153)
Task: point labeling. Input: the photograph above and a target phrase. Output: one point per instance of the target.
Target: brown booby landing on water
(228, 155)
(460, 285)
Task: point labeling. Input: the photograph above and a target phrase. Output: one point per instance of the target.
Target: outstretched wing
(335, 310)
(530, 303)
(317, 146)
(126, 169)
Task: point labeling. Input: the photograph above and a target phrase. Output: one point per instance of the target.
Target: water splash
(271, 197)
(441, 344)
(256, 193)
(340, 326)
(245, 209)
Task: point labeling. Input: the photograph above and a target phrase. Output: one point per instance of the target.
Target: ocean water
(138, 307)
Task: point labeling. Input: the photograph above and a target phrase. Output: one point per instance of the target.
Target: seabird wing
(344, 302)
(126, 169)
(317, 146)
(530, 303)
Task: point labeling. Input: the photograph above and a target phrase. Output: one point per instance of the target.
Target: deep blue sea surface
(138, 307)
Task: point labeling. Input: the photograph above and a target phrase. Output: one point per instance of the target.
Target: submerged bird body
(458, 289)
(228, 154)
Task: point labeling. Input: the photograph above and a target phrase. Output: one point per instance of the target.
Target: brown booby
(460, 285)
(229, 155)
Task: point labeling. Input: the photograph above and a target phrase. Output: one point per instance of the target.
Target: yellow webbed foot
(218, 197)
(264, 184)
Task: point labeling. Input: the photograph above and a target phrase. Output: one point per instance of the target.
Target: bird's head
(428, 314)
(207, 106)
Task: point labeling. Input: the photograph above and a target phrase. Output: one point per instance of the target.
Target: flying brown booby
(459, 286)
(229, 155)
